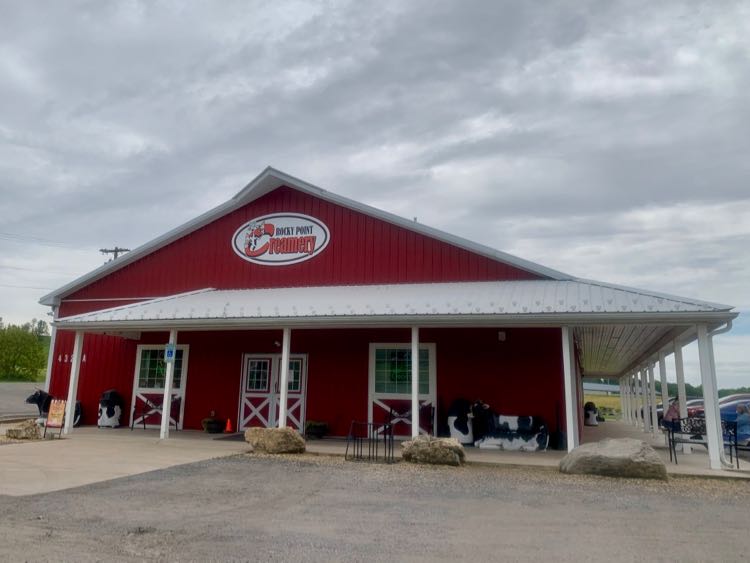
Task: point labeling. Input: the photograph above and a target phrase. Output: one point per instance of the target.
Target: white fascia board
(397, 321)
(267, 181)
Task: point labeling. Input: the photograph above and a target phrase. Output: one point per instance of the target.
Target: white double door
(260, 397)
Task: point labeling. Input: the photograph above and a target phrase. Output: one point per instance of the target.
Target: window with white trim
(294, 383)
(152, 370)
(258, 373)
(393, 370)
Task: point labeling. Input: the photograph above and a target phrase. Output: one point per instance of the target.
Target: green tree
(22, 351)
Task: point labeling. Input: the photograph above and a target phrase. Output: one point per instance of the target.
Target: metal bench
(692, 430)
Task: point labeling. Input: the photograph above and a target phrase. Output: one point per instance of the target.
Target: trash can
(110, 409)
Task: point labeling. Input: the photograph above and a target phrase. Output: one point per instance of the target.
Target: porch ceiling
(610, 350)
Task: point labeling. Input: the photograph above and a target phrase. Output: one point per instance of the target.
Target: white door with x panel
(260, 398)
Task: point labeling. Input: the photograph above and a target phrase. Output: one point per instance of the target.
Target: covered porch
(603, 331)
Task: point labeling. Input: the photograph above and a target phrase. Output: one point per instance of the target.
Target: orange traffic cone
(228, 427)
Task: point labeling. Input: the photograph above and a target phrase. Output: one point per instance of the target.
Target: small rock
(435, 451)
(275, 440)
(26, 430)
(621, 457)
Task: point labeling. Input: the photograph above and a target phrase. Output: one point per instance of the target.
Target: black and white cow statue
(110, 409)
(42, 400)
(504, 432)
(460, 422)
(516, 433)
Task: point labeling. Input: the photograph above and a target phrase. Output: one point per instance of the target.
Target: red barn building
(345, 293)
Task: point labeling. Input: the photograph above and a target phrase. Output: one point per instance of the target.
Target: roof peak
(268, 180)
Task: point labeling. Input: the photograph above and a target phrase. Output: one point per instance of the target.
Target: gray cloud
(604, 139)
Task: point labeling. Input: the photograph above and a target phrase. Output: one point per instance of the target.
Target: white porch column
(652, 397)
(710, 399)
(626, 394)
(622, 399)
(51, 354)
(646, 400)
(284, 377)
(571, 396)
(75, 370)
(679, 368)
(166, 403)
(638, 399)
(414, 381)
(634, 398)
(629, 391)
(663, 381)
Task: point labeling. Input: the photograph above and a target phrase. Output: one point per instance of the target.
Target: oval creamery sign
(280, 239)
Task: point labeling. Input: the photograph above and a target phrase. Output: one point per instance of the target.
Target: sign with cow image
(280, 239)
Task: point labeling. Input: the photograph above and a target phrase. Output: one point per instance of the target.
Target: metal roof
(542, 300)
(615, 327)
(267, 181)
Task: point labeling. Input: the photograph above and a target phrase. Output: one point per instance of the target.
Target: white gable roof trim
(267, 181)
(537, 302)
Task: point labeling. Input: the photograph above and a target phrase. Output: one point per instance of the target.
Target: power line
(37, 270)
(30, 239)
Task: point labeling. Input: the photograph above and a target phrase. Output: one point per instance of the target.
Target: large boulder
(275, 440)
(435, 451)
(620, 457)
(26, 430)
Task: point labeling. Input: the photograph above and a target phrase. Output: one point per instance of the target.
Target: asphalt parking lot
(309, 508)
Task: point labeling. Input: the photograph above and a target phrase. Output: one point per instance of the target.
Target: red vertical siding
(362, 250)
(520, 376)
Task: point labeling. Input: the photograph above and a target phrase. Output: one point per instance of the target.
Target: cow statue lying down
(504, 432)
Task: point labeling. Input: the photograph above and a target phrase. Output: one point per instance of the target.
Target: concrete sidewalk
(91, 455)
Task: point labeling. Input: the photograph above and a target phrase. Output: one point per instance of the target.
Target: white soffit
(539, 298)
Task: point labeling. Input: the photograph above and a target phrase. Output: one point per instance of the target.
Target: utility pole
(116, 251)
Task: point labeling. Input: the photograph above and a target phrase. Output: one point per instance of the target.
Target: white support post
(629, 399)
(166, 403)
(634, 398)
(414, 381)
(638, 399)
(679, 368)
(622, 399)
(663, 382)
(646, 400)
(571, 396)
(51, 354)
(652, 395)
(75, 370)
(710, 399)
(284, 377)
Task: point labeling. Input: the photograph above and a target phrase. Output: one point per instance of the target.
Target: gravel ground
(259, 508)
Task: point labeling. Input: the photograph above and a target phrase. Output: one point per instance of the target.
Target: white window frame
(429, 397)
(180, 391)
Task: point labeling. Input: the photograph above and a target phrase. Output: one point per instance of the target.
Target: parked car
(743, 397)
(694, 406)
(691, 401)
(728, 410)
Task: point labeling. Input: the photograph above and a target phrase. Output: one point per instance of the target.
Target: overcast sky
(609, 140)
